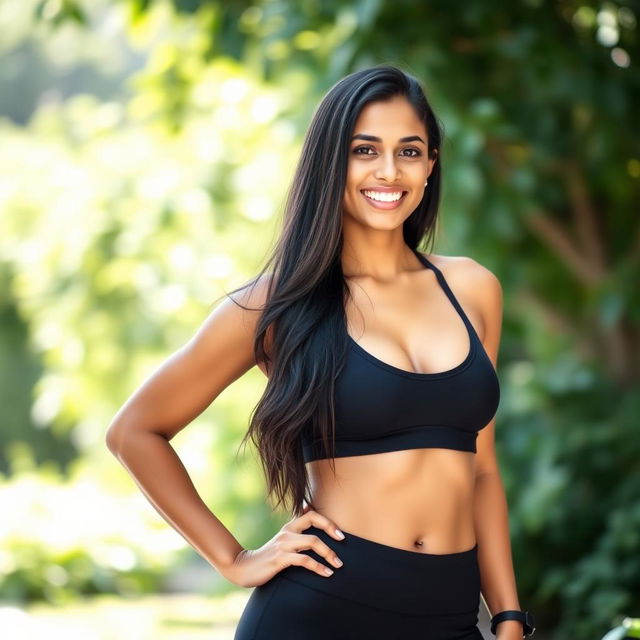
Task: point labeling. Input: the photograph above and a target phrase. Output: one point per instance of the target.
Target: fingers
(292, 543)
(292, 540)
(317, 520)
(303, 560)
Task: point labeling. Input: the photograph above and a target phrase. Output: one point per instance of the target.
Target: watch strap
(525, 617)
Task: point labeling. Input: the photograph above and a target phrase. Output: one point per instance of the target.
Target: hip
(379, 592)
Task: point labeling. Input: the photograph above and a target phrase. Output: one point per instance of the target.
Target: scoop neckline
(418, 374)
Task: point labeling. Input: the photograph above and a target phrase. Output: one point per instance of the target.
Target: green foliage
(575, 508)
(117, 237)
(67, 537)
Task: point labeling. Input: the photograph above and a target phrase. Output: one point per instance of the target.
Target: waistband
(417, 436)
(393, 579)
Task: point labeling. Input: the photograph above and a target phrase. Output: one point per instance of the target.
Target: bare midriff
(416, 499)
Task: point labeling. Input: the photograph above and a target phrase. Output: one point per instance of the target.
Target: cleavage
(419, 310)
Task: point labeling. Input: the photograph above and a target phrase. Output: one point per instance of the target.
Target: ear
(432, 161)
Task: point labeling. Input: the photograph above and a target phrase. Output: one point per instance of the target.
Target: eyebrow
(364, 136)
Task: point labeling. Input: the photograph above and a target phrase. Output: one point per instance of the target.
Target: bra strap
(447, 289)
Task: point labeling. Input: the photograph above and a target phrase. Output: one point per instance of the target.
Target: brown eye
(358, 149)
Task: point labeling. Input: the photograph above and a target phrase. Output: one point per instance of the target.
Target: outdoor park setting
(146, 148)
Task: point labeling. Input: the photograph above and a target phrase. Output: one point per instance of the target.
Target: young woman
(378, 416)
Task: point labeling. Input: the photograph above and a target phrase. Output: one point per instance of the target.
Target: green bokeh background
(145, 151)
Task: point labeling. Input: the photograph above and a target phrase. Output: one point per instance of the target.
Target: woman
(378, 415)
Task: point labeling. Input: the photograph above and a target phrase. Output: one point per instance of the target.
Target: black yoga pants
(381, 592)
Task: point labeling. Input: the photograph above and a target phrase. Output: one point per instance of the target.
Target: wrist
(230, 570)
(509, 630)
(512, 622)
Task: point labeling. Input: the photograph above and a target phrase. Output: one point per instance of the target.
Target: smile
(383, 199)
(383, 196)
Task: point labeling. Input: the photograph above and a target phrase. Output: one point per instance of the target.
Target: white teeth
(383, 196)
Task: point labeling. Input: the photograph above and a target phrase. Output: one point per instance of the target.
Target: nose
(386, 168)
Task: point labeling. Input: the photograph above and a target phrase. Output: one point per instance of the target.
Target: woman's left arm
(490, 510)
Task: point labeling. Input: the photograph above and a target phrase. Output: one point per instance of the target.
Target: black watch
(527, 619)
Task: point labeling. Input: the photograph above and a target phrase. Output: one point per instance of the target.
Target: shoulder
(250, 301)
(469, 275)
(238, 312)
(475, 286)
(253, 294)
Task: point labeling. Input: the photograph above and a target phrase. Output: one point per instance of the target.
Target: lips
(387, 203)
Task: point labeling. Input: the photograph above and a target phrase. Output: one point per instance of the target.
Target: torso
(417, 499)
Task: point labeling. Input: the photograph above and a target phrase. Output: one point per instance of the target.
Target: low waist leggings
(381, 592)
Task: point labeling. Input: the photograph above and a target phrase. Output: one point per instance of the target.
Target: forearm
(498, 584)
(159, 473)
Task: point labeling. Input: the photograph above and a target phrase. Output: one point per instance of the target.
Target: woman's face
(388, 164)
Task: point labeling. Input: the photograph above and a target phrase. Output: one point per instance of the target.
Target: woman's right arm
(177, 392)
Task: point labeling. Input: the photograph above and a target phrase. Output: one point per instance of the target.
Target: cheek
(358, 169)
(352, 184)
(352, 178)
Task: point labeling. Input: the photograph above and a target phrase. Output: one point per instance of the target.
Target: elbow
(121, 433)
(115, 436)
(111, 439)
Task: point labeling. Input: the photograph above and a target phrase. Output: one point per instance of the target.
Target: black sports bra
(379, 407)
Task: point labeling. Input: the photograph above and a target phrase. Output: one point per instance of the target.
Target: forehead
(392, 119)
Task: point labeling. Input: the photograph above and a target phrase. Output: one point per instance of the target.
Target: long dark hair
(306, 290)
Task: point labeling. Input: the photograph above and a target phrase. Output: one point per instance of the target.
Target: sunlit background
(145, 152)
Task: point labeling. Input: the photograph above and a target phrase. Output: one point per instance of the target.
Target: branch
(584, 214)
(556, 322)
(556, 238)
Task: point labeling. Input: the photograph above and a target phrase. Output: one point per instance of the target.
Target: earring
(425, 184)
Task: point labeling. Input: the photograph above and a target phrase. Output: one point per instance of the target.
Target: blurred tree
(539, 101)
(542, 168)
